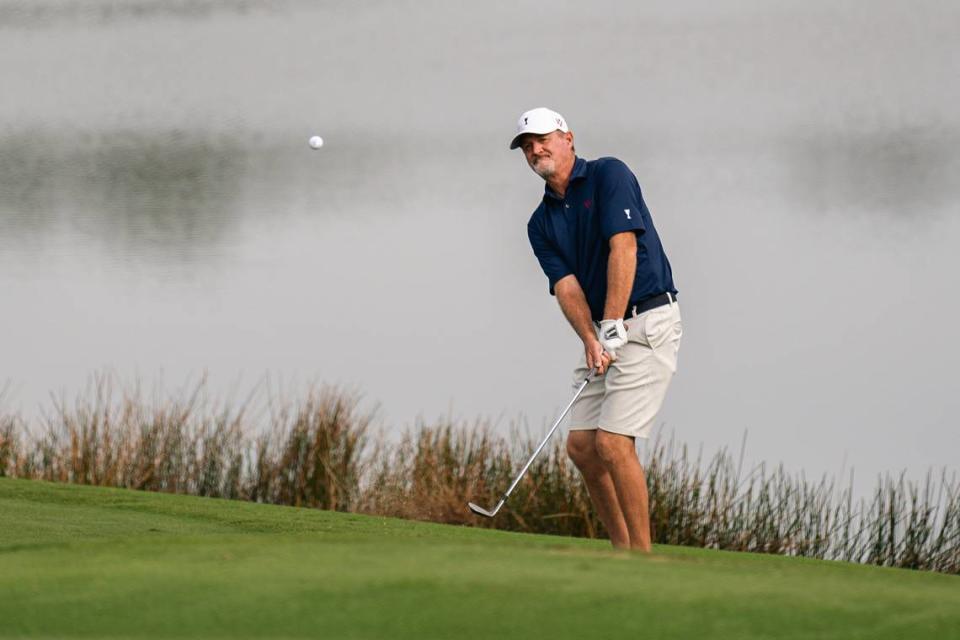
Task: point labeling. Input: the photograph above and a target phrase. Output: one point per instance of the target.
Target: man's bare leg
(582, 450)
(619, 455)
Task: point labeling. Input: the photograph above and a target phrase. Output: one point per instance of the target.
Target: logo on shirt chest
(587, 204)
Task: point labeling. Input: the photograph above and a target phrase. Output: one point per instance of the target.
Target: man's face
(546, 152)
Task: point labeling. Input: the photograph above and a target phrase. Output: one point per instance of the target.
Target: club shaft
(583, 385)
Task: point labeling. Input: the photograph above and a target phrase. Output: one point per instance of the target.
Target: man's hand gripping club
(597, 358)
(613, 335)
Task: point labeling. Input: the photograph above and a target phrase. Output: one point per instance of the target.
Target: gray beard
(545, 169)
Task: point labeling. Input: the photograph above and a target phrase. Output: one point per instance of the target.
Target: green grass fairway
(88, 562)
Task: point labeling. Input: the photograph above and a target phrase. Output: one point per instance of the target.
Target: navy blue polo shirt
(572, 234)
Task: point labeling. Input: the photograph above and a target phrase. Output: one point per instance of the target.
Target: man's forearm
(573, 302)
(621, 270)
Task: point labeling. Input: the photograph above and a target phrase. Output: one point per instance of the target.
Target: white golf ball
(316, 142)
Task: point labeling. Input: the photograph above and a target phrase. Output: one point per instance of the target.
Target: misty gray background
(161, 214)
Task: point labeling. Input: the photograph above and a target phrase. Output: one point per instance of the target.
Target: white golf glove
(613, 335)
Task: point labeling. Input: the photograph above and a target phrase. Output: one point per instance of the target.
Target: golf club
(483, 512)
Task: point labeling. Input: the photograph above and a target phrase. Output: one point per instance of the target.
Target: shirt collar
(579, 171)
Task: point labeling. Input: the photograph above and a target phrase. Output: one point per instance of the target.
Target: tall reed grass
(308, 455)
(320, 451)
(437, 469)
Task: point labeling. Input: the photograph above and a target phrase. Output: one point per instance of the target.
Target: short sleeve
(551, 261)
(621, 203)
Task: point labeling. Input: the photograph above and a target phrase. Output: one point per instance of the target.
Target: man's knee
(613, 448)
(581, 448)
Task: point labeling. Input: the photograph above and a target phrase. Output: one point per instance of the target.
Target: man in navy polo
(595, 240)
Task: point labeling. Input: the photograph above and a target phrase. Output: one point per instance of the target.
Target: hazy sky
(162, 215)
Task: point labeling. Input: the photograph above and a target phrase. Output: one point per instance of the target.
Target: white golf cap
(540, 120)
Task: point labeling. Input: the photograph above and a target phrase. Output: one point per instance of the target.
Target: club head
(480, 511)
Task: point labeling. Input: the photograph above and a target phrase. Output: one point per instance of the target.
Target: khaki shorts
(627, 397)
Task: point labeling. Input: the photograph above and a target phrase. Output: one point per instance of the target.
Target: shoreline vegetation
(319, 451)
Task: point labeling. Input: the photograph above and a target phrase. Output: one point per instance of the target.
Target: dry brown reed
(437, 469)
(10, 439)
(319, 452)
(309, 454)
(715, 506)
(312, 453)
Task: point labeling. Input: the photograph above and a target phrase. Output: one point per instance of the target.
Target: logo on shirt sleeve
(627, 211)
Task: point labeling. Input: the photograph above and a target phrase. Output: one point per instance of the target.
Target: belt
(646, 304)
(650, 303)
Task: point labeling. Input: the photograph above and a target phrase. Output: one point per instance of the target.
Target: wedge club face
(480, 511)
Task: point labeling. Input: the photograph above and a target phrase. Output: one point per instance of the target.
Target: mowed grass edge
(81, 561)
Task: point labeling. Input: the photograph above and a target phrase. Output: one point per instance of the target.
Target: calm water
(161, 214)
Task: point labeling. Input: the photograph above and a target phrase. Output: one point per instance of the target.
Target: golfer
(595, 240)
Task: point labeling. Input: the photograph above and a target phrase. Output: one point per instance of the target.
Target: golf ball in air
(316, 142)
